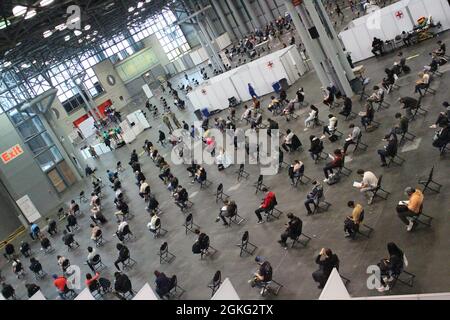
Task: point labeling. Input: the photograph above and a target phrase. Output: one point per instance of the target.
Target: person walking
(166, 121)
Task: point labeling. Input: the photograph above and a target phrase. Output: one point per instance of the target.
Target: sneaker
(347, 235)
(323, 137)
(262, 291)
(261, 221)
(370, 201)
(325, 180)
(306, 129)
(410, 226)
(383, 289)
(217, 219)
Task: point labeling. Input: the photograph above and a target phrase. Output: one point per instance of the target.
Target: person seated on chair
(313, 196)
(74, 208)
(367, 116)
(163, 284)
(288, 110)
(200, 175)
(409, 104)
(90, 280)
(441, 51)
(144, 189)
(63, 263)
(51, 226)
(173, 183)
(369, 182)
(312, 117)
(326, 260)
(9, 250)
(97, 215)
(122, 285)
(331, 128)
(192, 169)
(268, 204)
(45, 243)
(181, 196)
(291, 142)
(283, 96)
(262, 275)
(35, 231)
(152, 224)
(377, 95)
(8, 291)
(202, 241)
(69, 239)
(444, 117)
(60, 282)
(256, 104)
(274, 104)
(411, 209)
(116, 185)
(390, 150)
(123, 212)
(17, 268)
(95, 199)
(337, 162)
(124, 255)
(389, 80)
(228, 210)
(442, 137)
(352, 137)
(347, 108)
(247, 115)
(25, 249)
(390, 267)
(377, 46)
(300, 96)
(165, 171)
(328, 97)
(316, 147)
(32, 289)
(96, 232)
(351, 223)
(71, 223)
(422, 83)
(122, 230)
(35, 265)
(293, 230)
(296, 170)
(273, 125)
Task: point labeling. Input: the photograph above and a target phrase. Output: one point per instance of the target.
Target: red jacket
(268, 200)
(60, 283)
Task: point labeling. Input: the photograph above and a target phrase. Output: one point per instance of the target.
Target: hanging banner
(28, 209)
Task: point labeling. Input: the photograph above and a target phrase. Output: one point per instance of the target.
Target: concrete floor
(426, 248)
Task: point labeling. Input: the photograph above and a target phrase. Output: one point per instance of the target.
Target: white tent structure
(389, 22)
(226, 291)
(146, 293)
(38, 296)
(85, 295)
(262, 73)
(334, 288)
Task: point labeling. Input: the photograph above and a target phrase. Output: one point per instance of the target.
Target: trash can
(276, 87)
(198, 114)
(284, 84)
(205, 112)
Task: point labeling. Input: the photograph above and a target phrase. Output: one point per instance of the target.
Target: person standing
(175, 120)
(166, 121)
(251, 91)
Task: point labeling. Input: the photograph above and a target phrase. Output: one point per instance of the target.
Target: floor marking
(193, 194)
(412, 57)
(235, 187)
(412, 145)
(141, 154)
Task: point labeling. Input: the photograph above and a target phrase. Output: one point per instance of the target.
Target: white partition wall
(146, 293)
(38, 296)
(223, 41)
(391, 21)
(334, 288)
(226, 291)
(85, 295)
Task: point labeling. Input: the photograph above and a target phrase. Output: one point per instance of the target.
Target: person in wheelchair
(391, 267)
(351, 223)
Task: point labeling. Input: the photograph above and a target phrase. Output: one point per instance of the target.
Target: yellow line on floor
(412, 57)
(141, 154)
(13, 236)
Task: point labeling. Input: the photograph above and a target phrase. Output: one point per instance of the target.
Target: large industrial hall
(224, 150)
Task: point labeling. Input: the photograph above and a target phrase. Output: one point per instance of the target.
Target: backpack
(274, 201)
(196, 248)
(267, 272)
(204, 242)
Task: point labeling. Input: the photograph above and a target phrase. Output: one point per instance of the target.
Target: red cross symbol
(203, 91)
(399, 14)
(270, 65)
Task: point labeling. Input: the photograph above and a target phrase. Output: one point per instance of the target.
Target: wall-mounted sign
(11, 153)
(297, 2)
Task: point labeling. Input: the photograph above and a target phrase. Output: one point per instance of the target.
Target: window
(30, 127)
(40, 143)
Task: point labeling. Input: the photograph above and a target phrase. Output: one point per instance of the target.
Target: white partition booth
(38, 296)
(85, 295)
(261, 73)
(146, 293)
(391, 21)
(226, 291)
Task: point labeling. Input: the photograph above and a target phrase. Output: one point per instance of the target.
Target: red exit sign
(297, 2)
(11, 153)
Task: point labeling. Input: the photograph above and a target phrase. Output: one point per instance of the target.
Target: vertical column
(252, 13)
(204, 15)
(266, 10)
(313, 52)
(214, 57)
(335, 40)
(328, 46)
(223, 19)
(241, 25)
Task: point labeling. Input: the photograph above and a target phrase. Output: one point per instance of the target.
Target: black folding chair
(220, 194)
(359, 145)
(164, 254)
(259, 184)
(245, 243)
(189, 224)
(321, 205)
(82, 197)
(300, 179)
(298, 239)
(422, 219)
(235, 218)
(159, 231)
(379, 189)
(360, 225)
(215, 282)
(397, 160)
(129, 263)
(430, 184)
(274, 213)
(97, 263)
(242, 173)
(404, 277)
(176, 290)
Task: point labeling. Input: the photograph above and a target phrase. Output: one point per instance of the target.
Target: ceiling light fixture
(74, 20)
(131, 9)
(47, 33)
(140, 4)
(19, 11)
(4, 23)
(30, 14)
(25, 65)
(135, 14)
(80, 41)
(77, 33)
(7, 64)
(148, 1)
(87, 27)
(44, 3)
(88, 37)
(61, 27)
(67, 38)
(95, 32)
